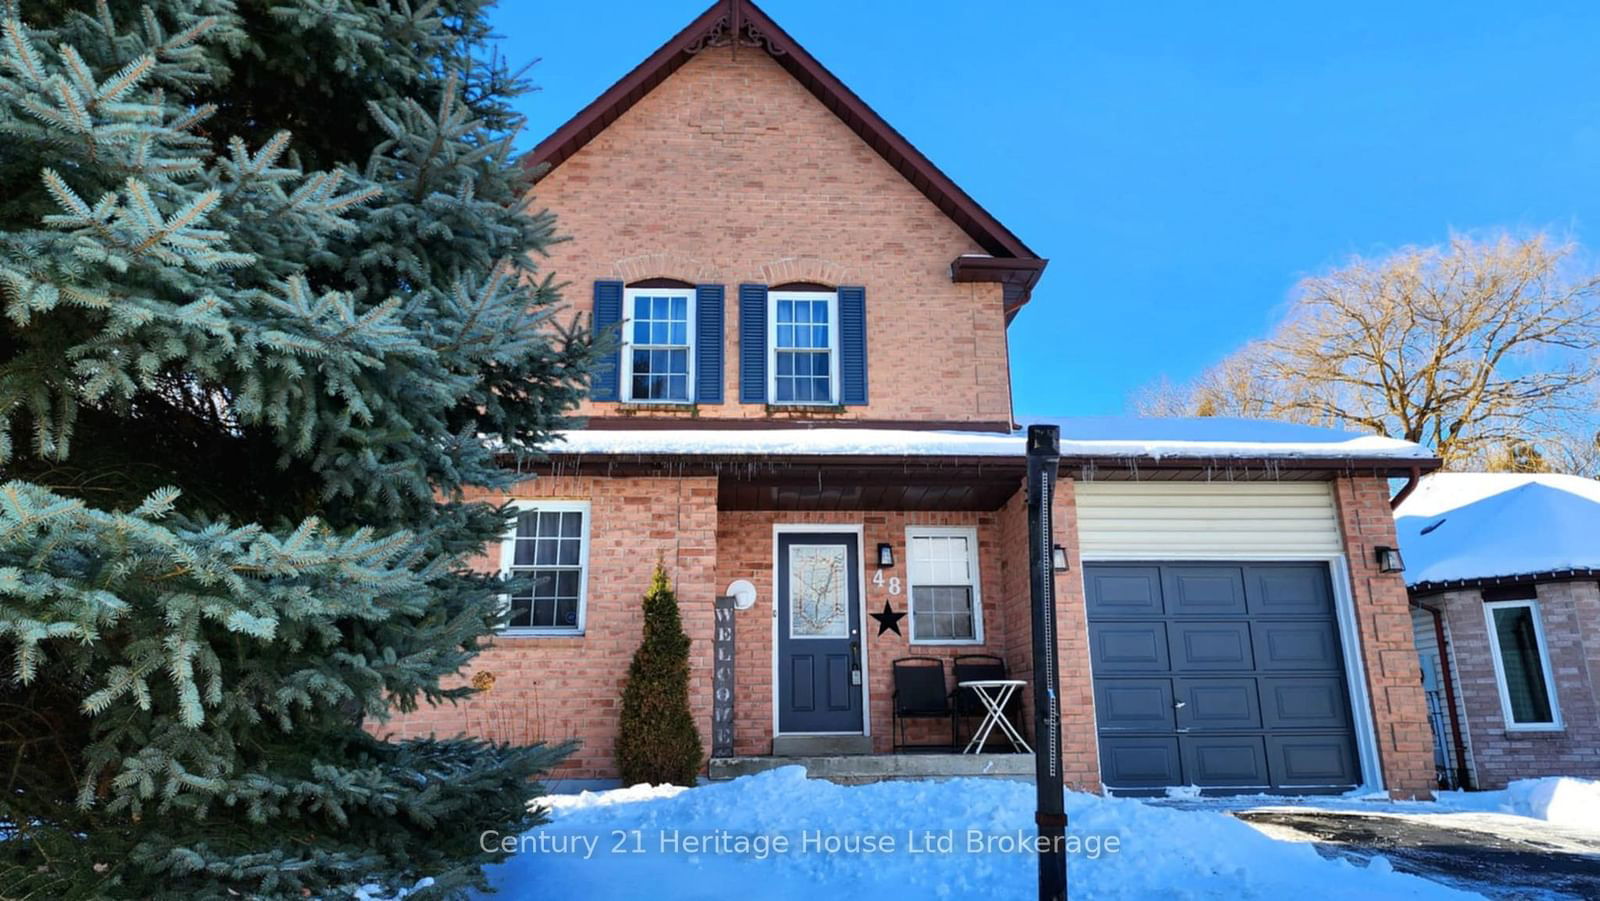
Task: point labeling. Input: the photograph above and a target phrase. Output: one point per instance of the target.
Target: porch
(857, 769)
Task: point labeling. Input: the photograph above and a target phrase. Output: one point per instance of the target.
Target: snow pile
(1483, 525)
(779, 835)
(1102, 436)
(1561, 800)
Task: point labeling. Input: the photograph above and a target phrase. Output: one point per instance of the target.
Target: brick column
(1080, 746)
(1388, 652)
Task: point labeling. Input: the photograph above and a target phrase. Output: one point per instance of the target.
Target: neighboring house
(812, 395)
(1504, 573)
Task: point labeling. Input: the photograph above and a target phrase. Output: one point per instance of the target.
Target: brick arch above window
(807, 269)
(678, 267)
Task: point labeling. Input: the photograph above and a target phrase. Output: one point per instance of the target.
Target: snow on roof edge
(925, 443)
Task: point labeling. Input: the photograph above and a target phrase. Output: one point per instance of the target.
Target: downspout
(1449, 689)
(1407, 488)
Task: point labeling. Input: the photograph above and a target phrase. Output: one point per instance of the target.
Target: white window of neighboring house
(803, 359)
(1522, 665)
(658, 345)
(942, 584)
(550, 544)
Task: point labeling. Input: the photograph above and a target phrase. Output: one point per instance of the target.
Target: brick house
(812, 397)
(1504, 573)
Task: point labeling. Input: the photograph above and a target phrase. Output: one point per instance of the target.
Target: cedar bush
(657, 741)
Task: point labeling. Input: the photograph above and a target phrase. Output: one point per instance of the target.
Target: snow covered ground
(779, 835)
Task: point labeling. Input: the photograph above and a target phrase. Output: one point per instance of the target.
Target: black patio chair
(920, 693)
(977, 668)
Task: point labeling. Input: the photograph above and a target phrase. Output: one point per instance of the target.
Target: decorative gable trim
(741, 24)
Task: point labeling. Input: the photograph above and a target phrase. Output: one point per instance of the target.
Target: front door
(819, 633)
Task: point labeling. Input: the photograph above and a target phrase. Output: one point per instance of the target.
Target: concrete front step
(820, 745)
(857, 769)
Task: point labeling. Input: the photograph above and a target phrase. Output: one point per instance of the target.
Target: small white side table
(994, 694)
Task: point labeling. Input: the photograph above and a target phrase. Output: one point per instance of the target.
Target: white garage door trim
(1106, 537)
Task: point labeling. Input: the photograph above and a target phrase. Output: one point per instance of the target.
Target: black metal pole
(1044, 455)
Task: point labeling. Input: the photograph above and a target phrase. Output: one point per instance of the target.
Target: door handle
(855, 663)
(1177, 705)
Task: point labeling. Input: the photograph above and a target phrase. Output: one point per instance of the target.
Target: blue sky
(1180, 164)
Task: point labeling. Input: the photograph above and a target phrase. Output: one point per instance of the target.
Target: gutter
(1449, 690)
(1407, 488)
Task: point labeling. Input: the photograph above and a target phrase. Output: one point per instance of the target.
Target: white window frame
(971, 534)
(508, 551)
(1511, 725)
(832, 297)
(628, 297)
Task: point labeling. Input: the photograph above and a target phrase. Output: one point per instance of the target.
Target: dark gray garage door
(1228, 676)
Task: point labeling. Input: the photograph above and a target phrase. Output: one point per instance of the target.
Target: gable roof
(1462, 529)
(741, 23)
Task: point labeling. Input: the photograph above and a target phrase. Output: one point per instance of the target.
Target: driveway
(1497, 855)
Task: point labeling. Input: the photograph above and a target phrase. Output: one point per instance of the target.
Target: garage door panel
(1230, 761)
(1134, 704)
(1290, 590)
(1203, 590)
(1313, 761)
(1226, 675)
(1124, 591)
(1128, 647)
(1130, 762)
(1210, 646)
(1217, 704)
(1305, 703)
(1296, 645)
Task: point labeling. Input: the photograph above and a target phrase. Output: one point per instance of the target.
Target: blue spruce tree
(271, 314)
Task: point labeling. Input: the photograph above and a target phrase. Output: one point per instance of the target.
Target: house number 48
(894, 582)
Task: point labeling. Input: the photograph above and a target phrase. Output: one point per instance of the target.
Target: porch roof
(1174, 443)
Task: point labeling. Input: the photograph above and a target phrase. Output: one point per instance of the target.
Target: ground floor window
(1522, 664)
(942, 582)
(549, 545)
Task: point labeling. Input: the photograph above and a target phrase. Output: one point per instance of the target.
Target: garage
(1215, 642)
(1228, 676)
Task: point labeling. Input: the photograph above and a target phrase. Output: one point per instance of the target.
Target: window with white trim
(1522, 665)
(549, 545)
(804, 354)
(658, 345)
(942, 584)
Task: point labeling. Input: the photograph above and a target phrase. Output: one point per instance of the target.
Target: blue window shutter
(752, 344)
(852, 345)
(708, 338)
(607, 315)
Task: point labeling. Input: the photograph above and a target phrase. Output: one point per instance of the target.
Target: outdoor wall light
(1058, 558)
(885, 554)
(1389, 560)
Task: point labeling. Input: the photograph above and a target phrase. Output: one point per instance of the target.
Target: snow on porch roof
(1085, 437)
(1465, 527)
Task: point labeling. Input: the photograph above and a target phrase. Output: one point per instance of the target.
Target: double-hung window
(548, 550)
(1522, 665)
(942, 582)
(804, 356)
(657, 353)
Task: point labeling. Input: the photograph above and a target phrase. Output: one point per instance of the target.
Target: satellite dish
(743, 594)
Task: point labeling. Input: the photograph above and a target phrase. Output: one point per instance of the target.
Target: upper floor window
(1522, 665)
(657, 353)
(804, 353)
(550, 546)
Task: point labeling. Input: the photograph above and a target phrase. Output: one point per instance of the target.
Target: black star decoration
(888, 620)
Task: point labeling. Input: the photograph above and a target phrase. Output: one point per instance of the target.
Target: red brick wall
(731, 172)
(1388, 651)
(745, 551)
(1571, 615)
(552, 689)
